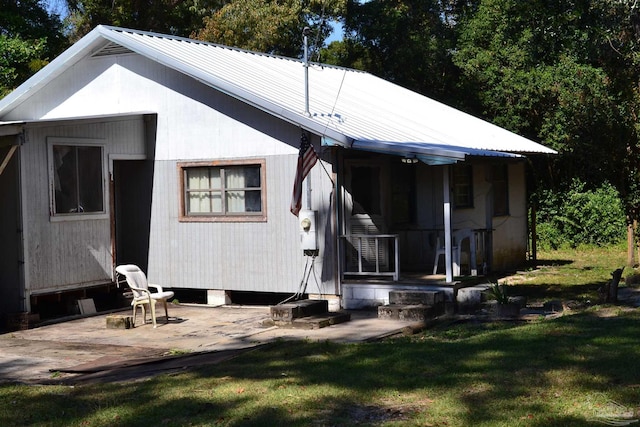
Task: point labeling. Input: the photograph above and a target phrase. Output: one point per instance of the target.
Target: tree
(175, 17)
(271, 26)
(566, 73)
(29, 38)
(406, 41)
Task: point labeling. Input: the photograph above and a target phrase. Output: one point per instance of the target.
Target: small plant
(177, 352)
(499, 293)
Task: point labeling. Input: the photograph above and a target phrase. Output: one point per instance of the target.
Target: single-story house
(180, 156)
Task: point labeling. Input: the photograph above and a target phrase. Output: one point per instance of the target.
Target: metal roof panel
(345, 105)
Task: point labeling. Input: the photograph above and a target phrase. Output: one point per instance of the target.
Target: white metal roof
(349, 108)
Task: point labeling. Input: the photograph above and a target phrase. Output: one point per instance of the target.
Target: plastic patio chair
(142, 296)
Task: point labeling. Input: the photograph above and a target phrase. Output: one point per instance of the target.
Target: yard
(578, 369)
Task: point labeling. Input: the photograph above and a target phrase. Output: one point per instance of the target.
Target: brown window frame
(223, 216)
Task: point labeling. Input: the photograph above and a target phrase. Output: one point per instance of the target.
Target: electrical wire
(303, 282)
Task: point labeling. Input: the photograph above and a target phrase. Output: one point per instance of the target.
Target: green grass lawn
(576, 370)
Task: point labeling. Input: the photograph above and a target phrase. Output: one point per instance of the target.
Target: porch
(410, 260)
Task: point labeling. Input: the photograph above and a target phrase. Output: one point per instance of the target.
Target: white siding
(260, 256)
(194, 121)
(59, 254)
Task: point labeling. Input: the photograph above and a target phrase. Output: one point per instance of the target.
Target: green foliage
(565, 73)
(579, 216)
(271, 26)
(499, 293)
(29, 38)
(19, 59)
(408, 42)
(164, 16)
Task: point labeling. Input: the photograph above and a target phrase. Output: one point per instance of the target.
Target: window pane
(500, 190)
(78, 179)
(253, 201)
(199, 202)
(234, 178)
(90, 179)
(65, 179)
(252, 177)
(235, 201)
(462, 186)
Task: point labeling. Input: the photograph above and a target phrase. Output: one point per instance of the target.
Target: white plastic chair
(137, 281)
(458, 237)
(440, 251)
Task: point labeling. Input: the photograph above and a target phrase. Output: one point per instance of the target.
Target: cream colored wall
(509, 232)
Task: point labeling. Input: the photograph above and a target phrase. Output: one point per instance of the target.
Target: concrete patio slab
(40, 354)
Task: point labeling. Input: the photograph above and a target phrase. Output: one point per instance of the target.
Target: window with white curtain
(223, 191)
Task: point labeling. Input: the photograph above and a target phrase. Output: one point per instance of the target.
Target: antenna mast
(305, 34)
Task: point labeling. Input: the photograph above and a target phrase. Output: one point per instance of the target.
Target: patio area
(85, 350)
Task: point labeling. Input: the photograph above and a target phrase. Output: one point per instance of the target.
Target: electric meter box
(308, 233)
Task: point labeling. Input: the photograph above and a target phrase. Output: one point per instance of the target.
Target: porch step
(306, 314)
(416, 312)
(416, 297)
(314, 322)
(413, 305)
(295, 310)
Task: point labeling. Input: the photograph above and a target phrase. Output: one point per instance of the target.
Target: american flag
(307, 158)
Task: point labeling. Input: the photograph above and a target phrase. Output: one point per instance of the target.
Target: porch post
(446, 192)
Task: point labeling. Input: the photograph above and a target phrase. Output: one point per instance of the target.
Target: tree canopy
(562, 72)
(29, 38)
(271, 26)
(176, 17)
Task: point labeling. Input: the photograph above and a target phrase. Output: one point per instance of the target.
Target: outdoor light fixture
(409, 160)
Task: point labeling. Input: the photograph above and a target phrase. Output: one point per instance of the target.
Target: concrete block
(218, 297)
(297, 309)
(332, 300)
(416, 297)
(469, 298)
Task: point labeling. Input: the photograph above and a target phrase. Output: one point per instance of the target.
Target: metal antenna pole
(305, 34)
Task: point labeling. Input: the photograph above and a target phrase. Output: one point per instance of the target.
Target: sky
(57, 6)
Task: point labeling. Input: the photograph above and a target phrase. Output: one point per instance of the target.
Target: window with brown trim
(223, 191)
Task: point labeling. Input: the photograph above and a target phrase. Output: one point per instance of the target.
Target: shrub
(578, 216)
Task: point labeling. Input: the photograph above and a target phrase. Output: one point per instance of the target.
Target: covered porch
(410, 222)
